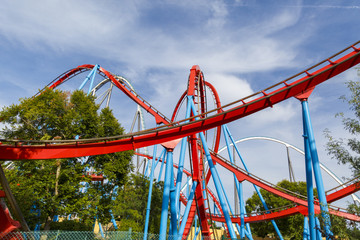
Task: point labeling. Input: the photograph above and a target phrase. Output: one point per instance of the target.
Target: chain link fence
(77, 235)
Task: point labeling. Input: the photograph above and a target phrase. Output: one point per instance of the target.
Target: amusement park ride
(191, 188)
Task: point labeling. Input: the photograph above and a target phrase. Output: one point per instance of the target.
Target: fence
(77, 235)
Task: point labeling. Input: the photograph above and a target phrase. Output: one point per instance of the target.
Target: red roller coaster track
(300, 201)
(291, 87)
(288, 88)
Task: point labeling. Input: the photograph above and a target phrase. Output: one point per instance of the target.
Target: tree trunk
(58, 164)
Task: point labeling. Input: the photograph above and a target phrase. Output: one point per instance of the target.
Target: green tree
(45, 188)
(347, 150)
(132, 202)
(290, 227)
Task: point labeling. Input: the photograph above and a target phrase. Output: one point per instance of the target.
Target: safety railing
(344, 185)
(284, 85)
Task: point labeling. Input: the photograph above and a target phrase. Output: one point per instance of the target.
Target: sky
(241, 46)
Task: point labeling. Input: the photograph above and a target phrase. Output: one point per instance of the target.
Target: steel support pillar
(91, 76)
(318, 228)
(181, 161)
(166, 196)
(306, 235)
(238, 188)
(309, 186)
(173, 207)
(186, 212)
(316, 168)
(256, 188)
(218, 187)
(150, 193)
(216, 179)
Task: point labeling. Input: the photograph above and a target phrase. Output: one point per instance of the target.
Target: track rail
(292, 210)
(128, 90)
(299, 83)
(299, 202)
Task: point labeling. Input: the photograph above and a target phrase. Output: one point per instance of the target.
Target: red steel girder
(196, 176)
(343, 192)
(190, 219)
(194, 75)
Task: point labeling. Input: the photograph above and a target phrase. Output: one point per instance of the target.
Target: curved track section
(217, 103)
(288, 145)
(160, 118)
(299, 200)
(139, 116)
(288, 88)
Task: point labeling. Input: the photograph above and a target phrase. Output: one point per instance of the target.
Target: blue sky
(241, 46)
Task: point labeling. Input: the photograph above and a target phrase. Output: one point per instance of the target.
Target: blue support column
(217, 211)
(243, 212)
(173, 209)
(187, 210)
(180, 171)
(255, 187)
(181, 162)
(196, 228)
(243, 231)
(101, 229)
(91, 76)
(306, 235)
(166, 196)
(317, 172)
(236, 182)
(309, 186)
(318, 227)
(216, 180)
(146, 169)
(218, 187)
(230, 208)
(56, 218)
(162, 156)
(113, 220)
(162, 167)
(181, 159)
(150, 193)
(242, 207)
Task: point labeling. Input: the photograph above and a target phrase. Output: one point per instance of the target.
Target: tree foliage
(46, 188)
(347, 151)
(132, 202)
(290, 227)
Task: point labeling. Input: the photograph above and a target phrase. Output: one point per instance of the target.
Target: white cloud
(118, 32)
(230, 88)
(63, 25)
(219, 14)
(279, 114)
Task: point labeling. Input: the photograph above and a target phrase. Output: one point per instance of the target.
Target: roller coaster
(199, 134)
